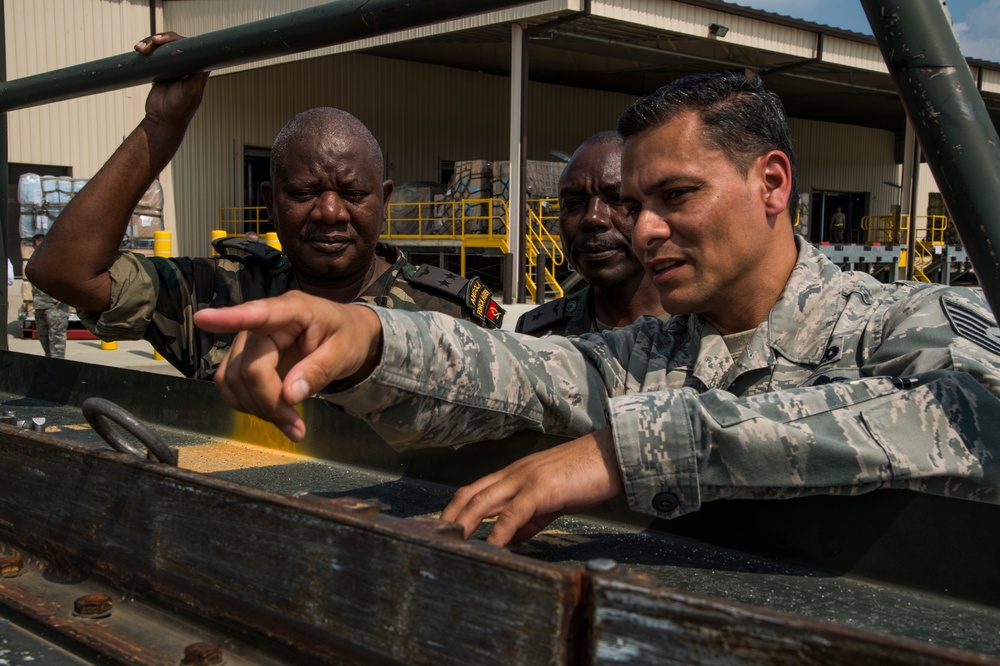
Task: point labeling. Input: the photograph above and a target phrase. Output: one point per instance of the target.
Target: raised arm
(72, 263)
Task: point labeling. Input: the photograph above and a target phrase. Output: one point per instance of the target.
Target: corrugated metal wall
(685, 19)
(421, 114)
(43, 35)
(195, 17)
(48, 34)
(845, 158)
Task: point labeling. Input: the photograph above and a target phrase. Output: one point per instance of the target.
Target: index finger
(244, 317)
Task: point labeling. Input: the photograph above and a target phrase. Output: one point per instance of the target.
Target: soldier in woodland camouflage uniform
(51, 318)
(596, 234)
(326, 198)
(784, 377)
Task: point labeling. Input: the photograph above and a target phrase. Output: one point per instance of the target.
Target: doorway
(256, 170)
(854, 206)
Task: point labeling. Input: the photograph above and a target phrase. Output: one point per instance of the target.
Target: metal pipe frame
(303, 30)
(295, 32)
(950, 119)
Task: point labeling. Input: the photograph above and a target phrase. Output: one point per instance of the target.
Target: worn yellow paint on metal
(253, 430)
(226, 456)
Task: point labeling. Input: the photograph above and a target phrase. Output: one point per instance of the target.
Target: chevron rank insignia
(972, 326)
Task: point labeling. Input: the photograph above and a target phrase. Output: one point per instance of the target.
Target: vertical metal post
(911, 167)
(540, 278)
(515, 209)
(4, 176)
(950, 119)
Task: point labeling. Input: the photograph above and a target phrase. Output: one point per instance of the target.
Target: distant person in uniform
(326, 198)
(838, 226)
(51, 316)
(596, 234)
(779, 375)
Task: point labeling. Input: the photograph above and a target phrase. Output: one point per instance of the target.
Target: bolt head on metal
(10, 566)
(602, 564)
(94, 606)
(202, 654)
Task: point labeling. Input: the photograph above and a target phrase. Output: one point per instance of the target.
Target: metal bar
(294, 32)
(4, 177)
(948, 114)
(515, 210)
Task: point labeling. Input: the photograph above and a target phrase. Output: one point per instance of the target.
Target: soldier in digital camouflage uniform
(51, 318)
(596, 234)
(326, 198)
(784, 377)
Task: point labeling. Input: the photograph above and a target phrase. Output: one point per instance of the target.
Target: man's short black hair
(741, 118)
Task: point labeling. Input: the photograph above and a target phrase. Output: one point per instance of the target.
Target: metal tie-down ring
(101, 413)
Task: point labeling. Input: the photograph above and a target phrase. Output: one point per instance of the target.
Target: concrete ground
(135, 355)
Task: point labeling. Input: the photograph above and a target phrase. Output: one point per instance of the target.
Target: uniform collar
(809, 303)
(798, 325)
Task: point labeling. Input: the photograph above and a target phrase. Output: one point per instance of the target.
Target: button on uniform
(665, 502)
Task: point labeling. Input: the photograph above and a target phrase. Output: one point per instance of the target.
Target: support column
(4, 175)
(908, 199)
(517, 191)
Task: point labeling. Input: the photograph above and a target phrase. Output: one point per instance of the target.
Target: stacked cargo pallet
(43, 198)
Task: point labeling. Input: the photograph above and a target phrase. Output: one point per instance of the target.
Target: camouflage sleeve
(920, 418)
(452, 382)
(935, 328)
(133, 297)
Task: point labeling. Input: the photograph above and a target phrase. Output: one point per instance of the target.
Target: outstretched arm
(72, 264)
(289, 348)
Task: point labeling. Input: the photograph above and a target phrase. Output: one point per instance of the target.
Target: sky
(976, 22)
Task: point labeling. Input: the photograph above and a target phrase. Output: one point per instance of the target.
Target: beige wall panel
(853, 54)
(686, 19)
(43, 35)
(991, 79)
(421, 114)
(195, 17)
(845, 158)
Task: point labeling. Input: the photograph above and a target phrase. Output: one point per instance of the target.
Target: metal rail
(324, 25)
(951, 122)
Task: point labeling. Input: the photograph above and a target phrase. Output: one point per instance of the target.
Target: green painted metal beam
(950, 119)
(294, 32)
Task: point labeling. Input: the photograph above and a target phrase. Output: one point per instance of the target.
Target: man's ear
(386, 191)
(777, 177)
(267, 194)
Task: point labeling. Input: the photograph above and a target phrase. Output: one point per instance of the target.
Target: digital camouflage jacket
(156, 298)
(847, 386)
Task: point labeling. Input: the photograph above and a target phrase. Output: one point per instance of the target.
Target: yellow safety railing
(935, 227)
(543, 216)
(446, 219)
(472, 222)
(884, 229)
(238, 220)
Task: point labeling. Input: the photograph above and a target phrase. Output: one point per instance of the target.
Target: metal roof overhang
(600, 53)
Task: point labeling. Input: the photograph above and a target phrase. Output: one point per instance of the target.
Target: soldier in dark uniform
(596, 234)
(327, 201)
